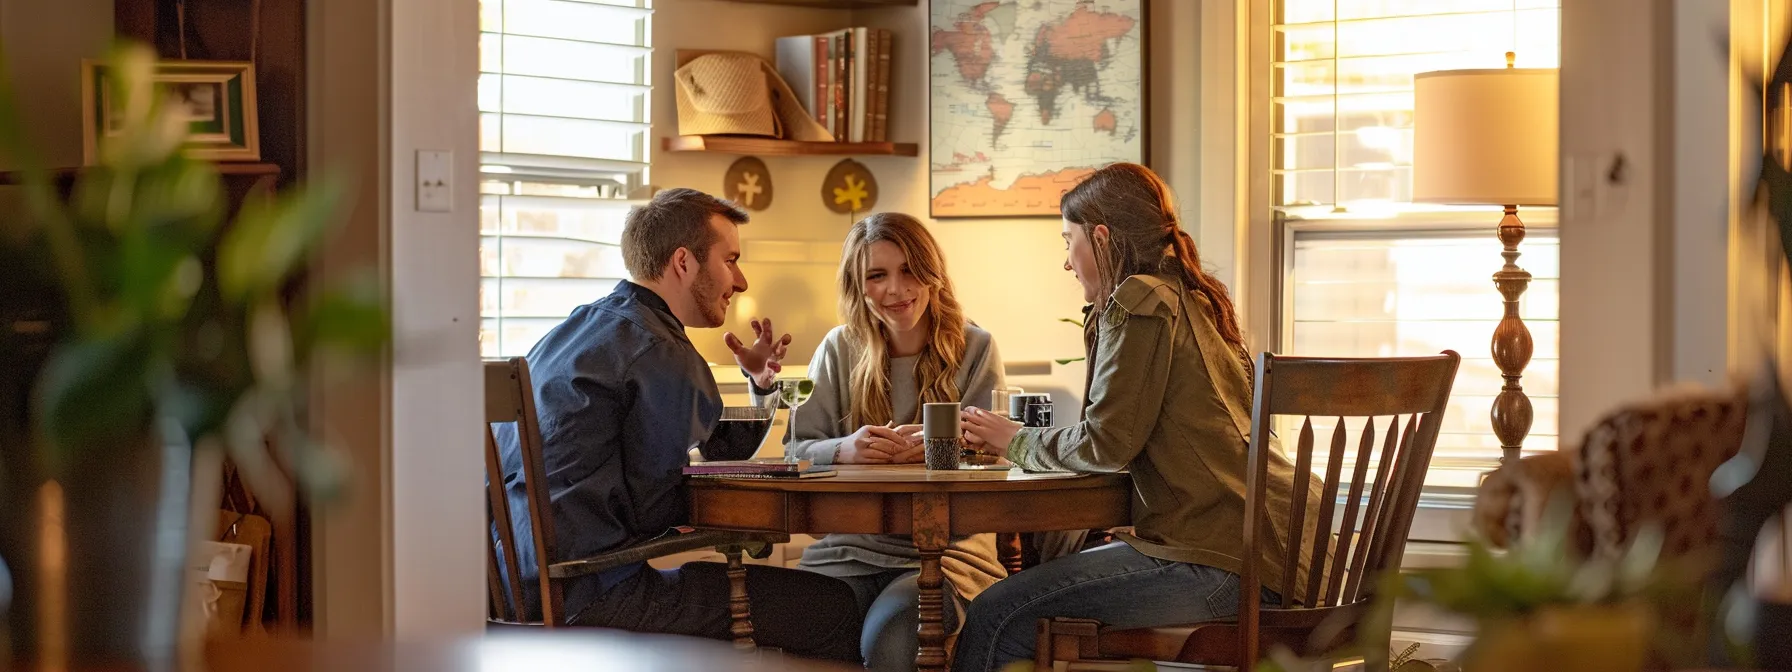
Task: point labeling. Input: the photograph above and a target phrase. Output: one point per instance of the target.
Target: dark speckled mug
(944, 440)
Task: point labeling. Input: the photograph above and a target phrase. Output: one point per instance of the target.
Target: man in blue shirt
(623, 396)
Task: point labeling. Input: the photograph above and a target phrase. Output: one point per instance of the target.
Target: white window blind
(564, 107)
(1372, 294)
(1371, 274)
(1343, 86)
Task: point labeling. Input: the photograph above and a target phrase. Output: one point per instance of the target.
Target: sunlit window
(1379, 295)
(564, 103)
(1343, 87)
(1372, 274)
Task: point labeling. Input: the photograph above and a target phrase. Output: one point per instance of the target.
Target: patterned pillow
(1652, 462)
(1510, 501)
(1645, 462)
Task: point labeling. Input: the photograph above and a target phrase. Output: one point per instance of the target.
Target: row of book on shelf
(843, 79)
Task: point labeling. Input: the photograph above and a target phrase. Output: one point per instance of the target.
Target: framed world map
(1028, 97)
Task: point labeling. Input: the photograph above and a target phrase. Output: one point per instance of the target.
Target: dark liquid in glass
(736, 439)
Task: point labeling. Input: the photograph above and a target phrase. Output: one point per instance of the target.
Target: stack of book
(772, 468)
(843, 79)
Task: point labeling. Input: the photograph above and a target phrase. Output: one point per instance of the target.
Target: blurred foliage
(1544, 570)
(176, 313)
(1541, 572)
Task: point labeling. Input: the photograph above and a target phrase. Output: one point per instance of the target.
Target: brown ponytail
(1146, 236)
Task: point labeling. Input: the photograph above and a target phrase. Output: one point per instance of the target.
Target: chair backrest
(1371, 536)
(510, 398)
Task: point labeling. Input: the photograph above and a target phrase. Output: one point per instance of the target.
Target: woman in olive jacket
(1169, 399)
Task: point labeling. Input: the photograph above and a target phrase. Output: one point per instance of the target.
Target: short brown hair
(675, 218)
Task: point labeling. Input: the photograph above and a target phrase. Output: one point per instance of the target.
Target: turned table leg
(742, 628)
(932, 528)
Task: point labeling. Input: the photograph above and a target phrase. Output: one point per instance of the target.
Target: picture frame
(1015, 118)
(219, 97)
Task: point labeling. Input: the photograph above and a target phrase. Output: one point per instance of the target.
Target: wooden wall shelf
(774, 147)
(835, 4)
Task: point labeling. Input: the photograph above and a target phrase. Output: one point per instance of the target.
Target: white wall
(1702, 193)
(405, 554)
(439, 532)
(1644, 259)
(1007, 272)
(1613, 313)
(1220, 98)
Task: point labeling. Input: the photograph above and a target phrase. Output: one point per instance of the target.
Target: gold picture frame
(218, 98)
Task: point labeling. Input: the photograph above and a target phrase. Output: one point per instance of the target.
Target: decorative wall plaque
(748, 183)
(849, 188)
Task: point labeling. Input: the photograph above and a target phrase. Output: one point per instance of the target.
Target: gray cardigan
(970, 563)
(822, 423)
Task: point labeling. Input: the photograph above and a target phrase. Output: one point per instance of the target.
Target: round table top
(918, 478)
(561, 649)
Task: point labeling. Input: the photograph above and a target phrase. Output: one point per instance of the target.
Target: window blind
(1342, 89)
(1369, 273)
(564, 110)
(1372, 294)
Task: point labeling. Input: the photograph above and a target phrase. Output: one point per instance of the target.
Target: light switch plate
(435, 180)
(1583, 188)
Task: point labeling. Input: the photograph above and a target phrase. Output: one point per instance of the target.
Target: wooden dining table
(930, 507)
(513, 651)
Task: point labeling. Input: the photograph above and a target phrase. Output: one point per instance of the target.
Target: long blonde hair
(937, 369)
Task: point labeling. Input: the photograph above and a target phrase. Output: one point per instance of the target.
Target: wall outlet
(435, 181)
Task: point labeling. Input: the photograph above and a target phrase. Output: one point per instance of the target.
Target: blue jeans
(890, 602)
(803, 613)
(1113, 584)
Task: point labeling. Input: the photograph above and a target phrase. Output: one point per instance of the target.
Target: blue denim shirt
(623, 395)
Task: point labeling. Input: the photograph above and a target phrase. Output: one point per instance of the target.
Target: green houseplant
(1536, 606)
(1539, 606)
(178, 333)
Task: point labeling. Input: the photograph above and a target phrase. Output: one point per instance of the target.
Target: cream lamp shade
(1486, 137)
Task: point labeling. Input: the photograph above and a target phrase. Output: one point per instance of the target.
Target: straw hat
(740, 94)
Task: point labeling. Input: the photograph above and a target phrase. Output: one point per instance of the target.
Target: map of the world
(1028, 97)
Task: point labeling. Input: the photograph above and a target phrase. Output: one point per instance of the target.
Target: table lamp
(1488, 137)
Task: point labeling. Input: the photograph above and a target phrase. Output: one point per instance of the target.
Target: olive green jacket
(1170, 402)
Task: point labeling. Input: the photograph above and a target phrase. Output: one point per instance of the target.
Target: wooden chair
(1345, 565)
(510, 398)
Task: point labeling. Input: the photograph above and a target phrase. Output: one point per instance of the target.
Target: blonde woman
(905, 342)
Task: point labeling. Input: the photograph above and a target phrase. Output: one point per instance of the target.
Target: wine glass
(793, 392)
